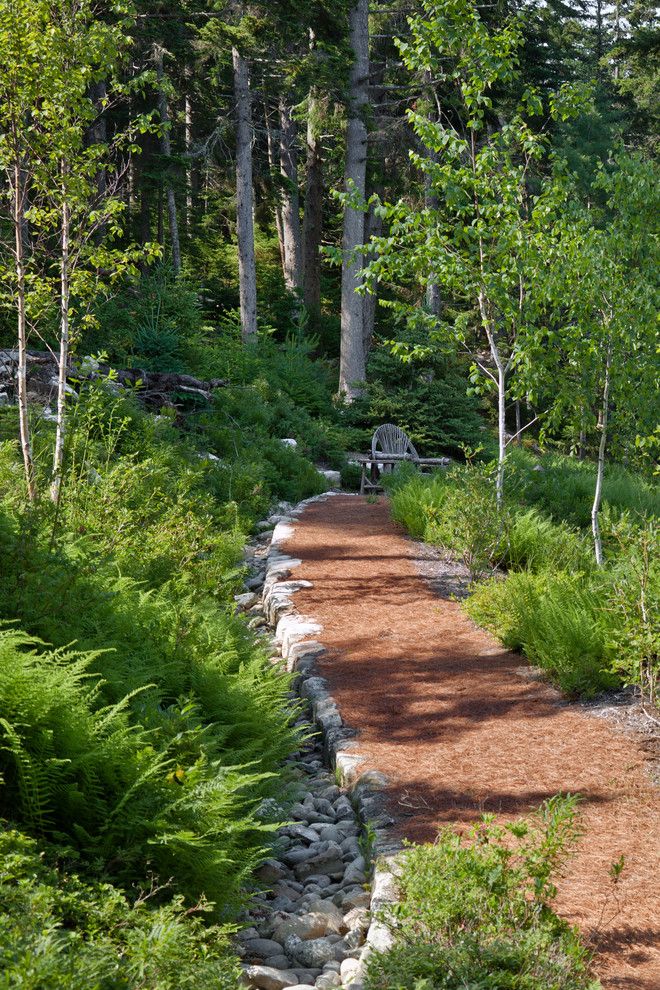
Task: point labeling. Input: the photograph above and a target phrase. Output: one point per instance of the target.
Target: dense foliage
(168, 178)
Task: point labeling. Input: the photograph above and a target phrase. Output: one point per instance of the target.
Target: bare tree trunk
(373, 227)
(433, 296)
(313, 219)
(602, 447)
(65, 294)
(166, 151)
(516, 406)
(351, 359)
(24, 423)
(247, 270)
(274, 169)
(290, 200)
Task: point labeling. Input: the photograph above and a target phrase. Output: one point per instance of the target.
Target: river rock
(350, 971)
(355, 898)
(246, 600)
(355, 872)
(267, 978)
(271, 870)
(328, 862)
(312, 953)
(309, 926)
(263, 947)
(327, 981)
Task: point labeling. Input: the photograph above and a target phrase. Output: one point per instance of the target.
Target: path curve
(444, 711)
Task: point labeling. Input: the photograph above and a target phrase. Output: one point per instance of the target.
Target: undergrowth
(477, 912)
(590, 628)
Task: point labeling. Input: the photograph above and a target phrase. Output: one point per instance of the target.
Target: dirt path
(443, 710)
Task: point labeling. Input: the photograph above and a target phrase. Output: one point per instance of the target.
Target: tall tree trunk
(516, 406)
(273, 165)
(313, 218)
(21, 312)
(351, 358)
(65, 295)
(373, 227)
(600, 471)
(166, 152)
(247, 270)
(290, 200)
(433, 296)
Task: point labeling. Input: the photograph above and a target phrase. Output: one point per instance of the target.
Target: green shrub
(131, 797)
(61, 931)
(478, 913)
(558, 620)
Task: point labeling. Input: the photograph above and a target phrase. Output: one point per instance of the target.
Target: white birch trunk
(600, 470)
(352, 359)
(501, 432)
(166, 151)
(292, 236)
(24, 422)
(247, 270)
(189, 162)
(65, 295)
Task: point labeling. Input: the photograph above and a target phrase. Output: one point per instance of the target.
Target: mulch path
(447, 714)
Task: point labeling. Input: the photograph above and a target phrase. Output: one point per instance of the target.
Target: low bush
(478, 912)
(591, 629)
(62, 931)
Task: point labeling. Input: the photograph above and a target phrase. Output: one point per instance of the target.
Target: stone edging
(296, 637)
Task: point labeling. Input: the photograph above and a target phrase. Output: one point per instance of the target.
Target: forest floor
(461, 726)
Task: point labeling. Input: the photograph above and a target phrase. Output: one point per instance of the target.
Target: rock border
(297, 638)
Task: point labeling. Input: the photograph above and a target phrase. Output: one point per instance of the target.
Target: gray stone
(268, 978)
(348, 826)
(246, 600)
(277, 962)
(312, 925)
(355, 872)
(328, 980)
(351, 846)
(271, 870)
(357, 918)
(355, 898)
(247, 934)
(329, 862)
(350, 970)
(312, 953)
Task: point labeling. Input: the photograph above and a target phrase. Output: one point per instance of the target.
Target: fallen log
(154, 389)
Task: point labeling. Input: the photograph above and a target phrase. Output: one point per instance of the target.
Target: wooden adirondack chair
(389, 446)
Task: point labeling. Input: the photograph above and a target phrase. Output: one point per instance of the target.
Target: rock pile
(313, 927)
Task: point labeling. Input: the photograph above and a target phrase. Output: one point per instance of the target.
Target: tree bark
(313, 218)
(247, 270)
(189, 149)
(292, 237)
(21, 312)
(274, 168)
(351, 359)
(65, 294)
(373, 227)
(166, 152)
(600, 471)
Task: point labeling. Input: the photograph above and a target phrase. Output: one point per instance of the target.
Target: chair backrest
(390, 439)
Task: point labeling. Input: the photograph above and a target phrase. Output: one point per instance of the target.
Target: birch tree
(596, 360)
(74, 217)
(23, 77)
(479, 235)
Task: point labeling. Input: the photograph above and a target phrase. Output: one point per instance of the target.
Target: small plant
(477, 911)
